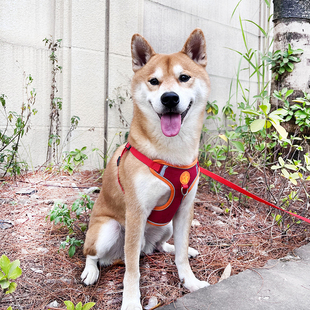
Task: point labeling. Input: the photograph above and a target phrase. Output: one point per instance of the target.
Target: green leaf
(224, 138)
(4, 284)
(257, 125)
(11, 288)
(5, 264)
(88, 305)
(285, 173)
(71, 250)
(281, 130)
(260, 28)
(267, 124)
(15, 272)
(298, 51)
(278, 112)
(294, 176)
(238, 145)
(293, 181)
(252, 112)
(281, 70)
(291, 167)
(288, 93)
(281, 161)
(265, 108)
(69, 304)
(291, 67)
(79, 306)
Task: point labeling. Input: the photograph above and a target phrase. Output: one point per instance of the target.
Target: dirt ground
(245, 236)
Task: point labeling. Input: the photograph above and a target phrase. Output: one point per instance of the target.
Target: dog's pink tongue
(170, 124)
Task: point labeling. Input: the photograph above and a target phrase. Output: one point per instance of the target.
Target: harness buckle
(118, 160)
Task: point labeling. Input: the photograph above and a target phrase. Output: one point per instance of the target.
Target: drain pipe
(106, 80)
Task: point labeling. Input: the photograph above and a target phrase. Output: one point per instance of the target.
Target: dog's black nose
(170, 99)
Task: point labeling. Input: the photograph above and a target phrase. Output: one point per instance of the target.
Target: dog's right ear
(141, 52)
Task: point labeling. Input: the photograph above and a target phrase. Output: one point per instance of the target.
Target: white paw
(90, 274)
(167, 248)
(195, 285)
(192, 252)
(131, 306)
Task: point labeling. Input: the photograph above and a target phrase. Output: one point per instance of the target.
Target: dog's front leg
(181, 226)
(134, 234)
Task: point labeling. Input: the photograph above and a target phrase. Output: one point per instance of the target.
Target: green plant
(267, 119)
(301, 112)
(82, 204)
(17, 125)
(282, 61)
(74, 159)
(8, 271)
(79, 306)
(72, 243)
(62, 214)
(121, 95)
(258, 136)
(56, 102)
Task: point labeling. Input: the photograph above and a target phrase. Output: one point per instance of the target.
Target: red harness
(180, 179)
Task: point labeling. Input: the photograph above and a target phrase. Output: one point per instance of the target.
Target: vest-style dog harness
(180, 179)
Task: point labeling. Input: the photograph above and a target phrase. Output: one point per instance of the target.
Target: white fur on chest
(151, 191)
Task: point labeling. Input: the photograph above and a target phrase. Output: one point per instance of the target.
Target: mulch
(223, 231)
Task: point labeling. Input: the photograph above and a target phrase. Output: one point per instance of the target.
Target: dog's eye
(184, 78)
(154, 81)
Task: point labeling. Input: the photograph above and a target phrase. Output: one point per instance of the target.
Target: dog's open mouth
(171, 122)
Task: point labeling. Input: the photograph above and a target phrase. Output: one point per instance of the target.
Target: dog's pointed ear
(141, 52)
(195, 47)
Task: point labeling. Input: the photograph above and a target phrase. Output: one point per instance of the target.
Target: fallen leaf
(152, 303)
(226, 273)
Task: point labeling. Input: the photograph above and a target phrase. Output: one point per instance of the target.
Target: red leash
(245, 192)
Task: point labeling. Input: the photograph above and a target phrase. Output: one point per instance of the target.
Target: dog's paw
(192, 252)
(90, 274)
(195, 285)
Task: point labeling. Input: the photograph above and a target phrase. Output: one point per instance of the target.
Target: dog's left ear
(141, 52)
(195, 47)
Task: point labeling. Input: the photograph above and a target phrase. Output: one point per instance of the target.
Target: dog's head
(169, 89)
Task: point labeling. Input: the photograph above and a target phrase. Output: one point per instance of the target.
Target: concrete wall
(81, 24)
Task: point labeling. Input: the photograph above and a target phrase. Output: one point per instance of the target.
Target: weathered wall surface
(81, 25)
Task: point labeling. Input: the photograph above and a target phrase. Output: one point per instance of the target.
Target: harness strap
(147, 161)
(245, 192)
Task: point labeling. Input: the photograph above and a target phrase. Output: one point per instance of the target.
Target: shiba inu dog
(150, 183)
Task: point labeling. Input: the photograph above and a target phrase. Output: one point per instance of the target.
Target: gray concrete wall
(81, 24)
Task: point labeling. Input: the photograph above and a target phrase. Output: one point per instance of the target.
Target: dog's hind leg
(104, 243)
(163, 246)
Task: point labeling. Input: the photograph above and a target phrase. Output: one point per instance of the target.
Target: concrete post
(292, 26)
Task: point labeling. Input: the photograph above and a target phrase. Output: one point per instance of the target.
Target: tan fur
(118, 211)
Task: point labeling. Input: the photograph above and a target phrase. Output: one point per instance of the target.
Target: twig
(256, 231)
